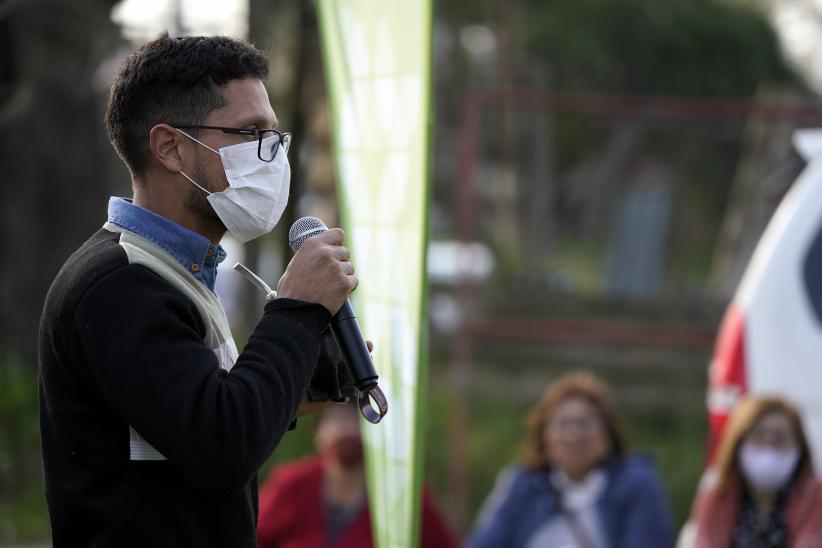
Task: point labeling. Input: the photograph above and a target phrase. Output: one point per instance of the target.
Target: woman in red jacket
(321, 501)
(765, 494)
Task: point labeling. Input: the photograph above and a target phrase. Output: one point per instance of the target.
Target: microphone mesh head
(302, 229)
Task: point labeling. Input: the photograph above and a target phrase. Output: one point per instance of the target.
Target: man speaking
(152, 426)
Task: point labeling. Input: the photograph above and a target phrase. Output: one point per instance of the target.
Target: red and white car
(770, 341)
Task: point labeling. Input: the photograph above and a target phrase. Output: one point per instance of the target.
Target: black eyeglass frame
(284, 137)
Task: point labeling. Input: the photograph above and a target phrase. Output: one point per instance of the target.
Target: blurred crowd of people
(577, 485)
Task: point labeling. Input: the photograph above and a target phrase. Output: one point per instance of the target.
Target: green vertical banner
(378, 65)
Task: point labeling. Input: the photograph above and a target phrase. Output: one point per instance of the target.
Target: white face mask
(257, 191)
(767, 469)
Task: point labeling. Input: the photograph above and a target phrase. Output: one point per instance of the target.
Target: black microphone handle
(350, 340)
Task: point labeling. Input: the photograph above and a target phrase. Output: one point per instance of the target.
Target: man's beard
(197, 201)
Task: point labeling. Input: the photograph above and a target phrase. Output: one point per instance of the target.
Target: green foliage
(675, 439)
(22, 506)
(677, 47)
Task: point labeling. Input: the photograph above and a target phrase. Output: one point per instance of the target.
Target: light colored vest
(218, 335)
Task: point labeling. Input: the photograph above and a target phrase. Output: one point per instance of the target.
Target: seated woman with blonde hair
(764, 493)
(576, 487)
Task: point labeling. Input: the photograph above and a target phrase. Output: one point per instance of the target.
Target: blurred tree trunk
(537, 201)
(54, 150)
(767, 167)
(286, 32)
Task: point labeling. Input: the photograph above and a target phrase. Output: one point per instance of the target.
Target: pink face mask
(347, 451)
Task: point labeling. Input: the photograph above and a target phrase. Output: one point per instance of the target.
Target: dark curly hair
(174, 81)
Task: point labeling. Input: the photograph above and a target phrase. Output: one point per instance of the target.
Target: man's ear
(164, 143)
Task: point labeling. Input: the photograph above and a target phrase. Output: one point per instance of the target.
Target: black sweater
(120, 346)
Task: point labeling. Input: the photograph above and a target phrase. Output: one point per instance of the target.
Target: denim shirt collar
(195, 252)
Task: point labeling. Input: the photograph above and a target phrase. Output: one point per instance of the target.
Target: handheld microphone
(347, 333)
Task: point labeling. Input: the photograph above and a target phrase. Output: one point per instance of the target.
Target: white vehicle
(770, 341)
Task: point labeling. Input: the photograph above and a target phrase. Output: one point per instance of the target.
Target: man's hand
(320, 272)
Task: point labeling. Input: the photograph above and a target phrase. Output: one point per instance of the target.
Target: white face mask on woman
(257, 191)
(766, 468)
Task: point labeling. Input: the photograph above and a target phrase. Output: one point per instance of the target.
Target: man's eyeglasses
(266, 152)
